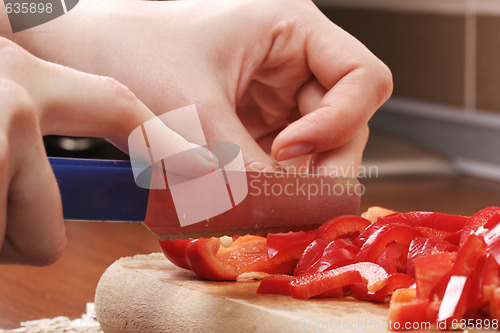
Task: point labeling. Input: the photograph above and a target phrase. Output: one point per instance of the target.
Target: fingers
(73, 103)
(231, 129)
(29, 196)
(343, 161)
(350, 85)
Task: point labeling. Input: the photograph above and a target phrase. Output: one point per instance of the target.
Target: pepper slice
(309, 285)
(175, 251)
(394, 282)
(440, 221)
(376, 243)
(290, 245)
(406, 309)
(477, 220)
(341, 225)
(247, 254)
(275, 284)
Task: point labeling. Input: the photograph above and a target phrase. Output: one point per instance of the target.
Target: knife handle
(99, 190)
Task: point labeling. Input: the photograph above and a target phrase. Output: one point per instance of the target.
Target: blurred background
(445, 59)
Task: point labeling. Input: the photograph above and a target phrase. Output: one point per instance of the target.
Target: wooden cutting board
(146, 293)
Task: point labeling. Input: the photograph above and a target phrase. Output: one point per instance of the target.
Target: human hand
(272, 76)
(39, 98)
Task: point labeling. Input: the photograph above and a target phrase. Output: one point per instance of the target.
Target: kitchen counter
(28, 293)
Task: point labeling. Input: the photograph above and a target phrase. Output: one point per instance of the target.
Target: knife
(105, 190)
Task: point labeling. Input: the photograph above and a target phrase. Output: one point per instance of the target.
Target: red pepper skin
(332, 260)
(484, 277)
(406, 308)
(275, 284)
(377, 242)
(341, 244)
(440, 221)
(175, 251)
(395, 281)
(477, 220)
(307, 286)
(453, 303)
(492, 236)
(429, 270)
(341, 225)
(393, 258)
(421, 246)
(247, 254)
(312, 253)
(288, 246)
(466, 260)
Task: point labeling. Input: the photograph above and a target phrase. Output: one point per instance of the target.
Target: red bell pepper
(477, 220)
(393, 258)
(406, 310)
(440, 221)
(340, 226)
(492, 236)
(453, 304)
(288, 246)
(484, 276)
(248, 253)
(430, 269)
(312, 253)
(377, 242)
(332, 260)
(394, 282)
(309, 285)
(175, 251)
(422, 246)
(275, 284)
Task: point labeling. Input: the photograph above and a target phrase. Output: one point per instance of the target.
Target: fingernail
(294, 150)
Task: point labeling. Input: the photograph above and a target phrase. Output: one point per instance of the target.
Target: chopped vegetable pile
(433, 267)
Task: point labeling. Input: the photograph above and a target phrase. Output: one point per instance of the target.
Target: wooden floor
(28, 293)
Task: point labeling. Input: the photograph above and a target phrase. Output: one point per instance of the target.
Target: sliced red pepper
(312, 253)
(375, 245)
(393, 258)
(406, 309)
(440, 221)
(275, 284)
(492, 236)
(484, 276)
(452, 237)
(430, 269)
(395, 281)
(421, 246)
(332, 260)
(307, 286)
(175, 251)
(341, 244)
(477, 220)
(453, 304)
(248, 253)
(466, 260)
(370, 230)
(289, 245)
(341, 225)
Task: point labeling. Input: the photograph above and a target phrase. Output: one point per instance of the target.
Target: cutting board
(146, 293)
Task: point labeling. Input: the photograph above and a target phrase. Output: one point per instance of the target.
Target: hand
(39, 98)
(272, 76)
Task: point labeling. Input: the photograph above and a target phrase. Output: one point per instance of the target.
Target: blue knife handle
(99, 190)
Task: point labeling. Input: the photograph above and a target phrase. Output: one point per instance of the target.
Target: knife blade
(105, 190)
